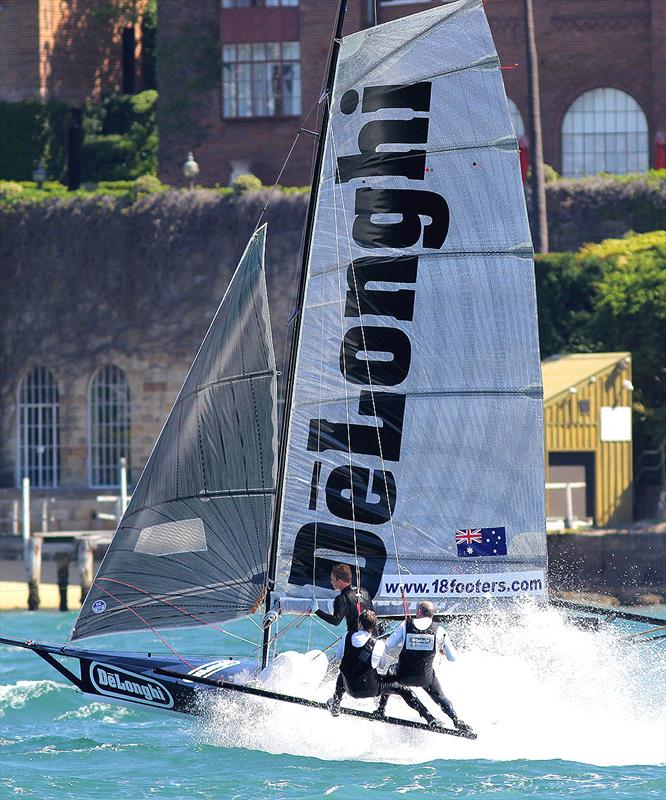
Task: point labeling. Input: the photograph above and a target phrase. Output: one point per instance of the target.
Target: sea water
(560, 712)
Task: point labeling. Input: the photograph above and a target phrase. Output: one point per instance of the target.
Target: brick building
(71, 51)
(237, 77)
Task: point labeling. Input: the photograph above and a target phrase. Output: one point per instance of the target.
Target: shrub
(32, 130)
(146, 184)
(130, 118)
(105, 157)
(246, 183)
(604, 207)
(612, 296)
(10, 189)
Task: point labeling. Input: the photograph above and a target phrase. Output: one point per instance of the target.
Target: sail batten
(415, 440)
(192, 546)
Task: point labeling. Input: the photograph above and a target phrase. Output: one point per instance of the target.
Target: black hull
(163, 682)
(135, 677)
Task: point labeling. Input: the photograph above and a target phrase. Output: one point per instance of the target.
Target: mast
(305, 258)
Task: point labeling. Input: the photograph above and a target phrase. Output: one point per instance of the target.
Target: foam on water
(537, 688)
(17, 695)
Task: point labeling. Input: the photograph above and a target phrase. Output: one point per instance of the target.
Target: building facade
(587, 416)
(71, 51)
(238, 78)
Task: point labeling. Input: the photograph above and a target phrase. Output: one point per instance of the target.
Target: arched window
(38, 429)
(604, 130)
(109, 426)
(516, 118)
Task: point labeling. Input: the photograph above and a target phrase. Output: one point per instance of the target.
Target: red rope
(405, 606)
(166, 602)
(145, 622)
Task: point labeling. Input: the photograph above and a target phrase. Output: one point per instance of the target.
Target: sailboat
(412, 438)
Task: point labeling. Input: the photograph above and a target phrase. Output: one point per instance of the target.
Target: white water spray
(537, 688)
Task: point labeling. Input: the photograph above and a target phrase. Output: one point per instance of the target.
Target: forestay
(192, 546)
(415, 443)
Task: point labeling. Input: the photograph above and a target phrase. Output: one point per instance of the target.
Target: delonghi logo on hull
(126, 685)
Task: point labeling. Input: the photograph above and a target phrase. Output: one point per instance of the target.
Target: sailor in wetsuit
(361, 654)
(422, 640)
(346, 604)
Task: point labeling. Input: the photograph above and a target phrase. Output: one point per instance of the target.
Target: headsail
(192, 545)
(415, 443)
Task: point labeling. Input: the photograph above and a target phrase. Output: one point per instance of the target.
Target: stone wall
(624, 564)
(93, 281)
(90, 282)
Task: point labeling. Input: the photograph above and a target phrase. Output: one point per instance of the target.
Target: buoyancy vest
(415, 663)
(352, 599)
(359, 676)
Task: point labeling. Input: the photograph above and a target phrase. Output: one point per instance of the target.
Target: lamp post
(190, 169)
(539, 210)
(39, 175)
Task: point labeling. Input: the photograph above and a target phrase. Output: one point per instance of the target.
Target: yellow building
(587, 412)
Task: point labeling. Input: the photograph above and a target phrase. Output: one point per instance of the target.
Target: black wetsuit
(360, 679)
(345, 607)
(415, 665)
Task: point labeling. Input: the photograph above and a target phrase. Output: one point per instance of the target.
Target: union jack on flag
(478, 542)
(469, 535)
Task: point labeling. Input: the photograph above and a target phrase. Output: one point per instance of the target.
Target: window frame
(587, 149)
(30, 462)
(100, 469)
(253, 82)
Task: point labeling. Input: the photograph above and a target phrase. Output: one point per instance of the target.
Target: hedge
(30, 131)
(606, 297)
(120, 138)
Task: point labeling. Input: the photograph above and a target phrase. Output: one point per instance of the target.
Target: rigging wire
(372, 391)
(276, 183)
(147, 624)
(172, 605)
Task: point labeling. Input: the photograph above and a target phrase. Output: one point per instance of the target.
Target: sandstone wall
(91, 282)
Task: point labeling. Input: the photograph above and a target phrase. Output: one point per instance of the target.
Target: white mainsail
(415, 441)
(192, 546)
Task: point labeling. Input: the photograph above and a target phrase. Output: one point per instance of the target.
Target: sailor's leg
(437, 693)
(393, 687)
(380, 711)
(334, 703)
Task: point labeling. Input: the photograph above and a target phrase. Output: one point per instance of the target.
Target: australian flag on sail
(475, 542)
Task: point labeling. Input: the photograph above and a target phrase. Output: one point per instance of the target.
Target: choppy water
(560, 713)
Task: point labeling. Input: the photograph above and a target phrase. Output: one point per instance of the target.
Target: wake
(537, 688)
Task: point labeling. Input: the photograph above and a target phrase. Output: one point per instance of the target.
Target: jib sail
(192, 545)
(415, 442)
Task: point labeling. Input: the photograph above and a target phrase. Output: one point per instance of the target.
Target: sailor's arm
(446, 647)
(339, 612)
(397, 638)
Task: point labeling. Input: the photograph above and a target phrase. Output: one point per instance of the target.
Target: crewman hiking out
(349, 603)
(361, 654)
(422, 641)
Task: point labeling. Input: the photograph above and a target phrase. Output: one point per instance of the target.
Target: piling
(62, 566)
(85, 556)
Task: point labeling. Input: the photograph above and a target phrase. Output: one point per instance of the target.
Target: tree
(630, 314)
